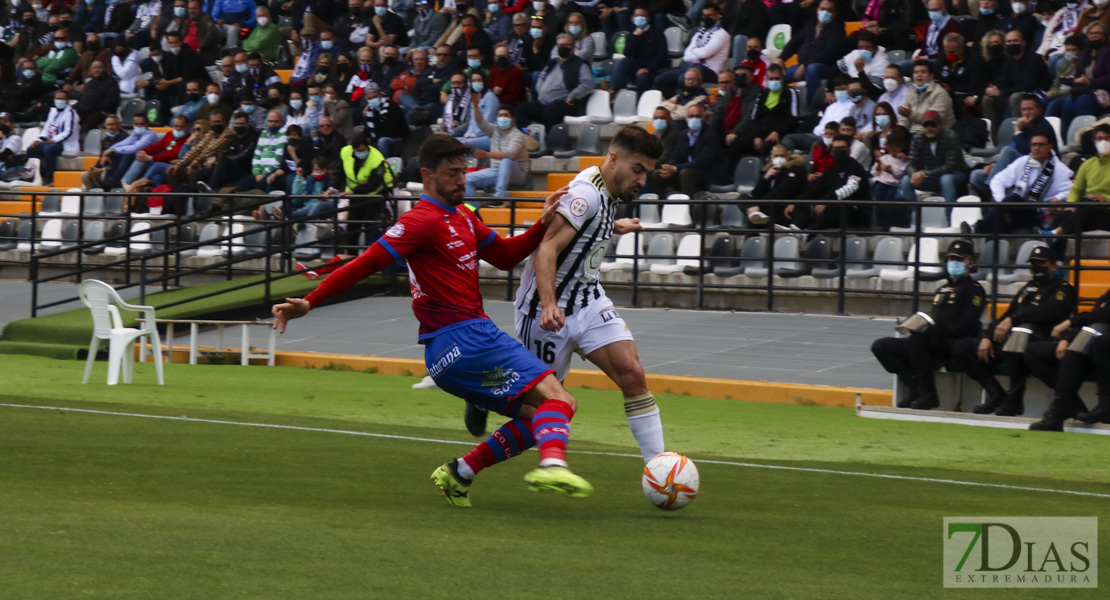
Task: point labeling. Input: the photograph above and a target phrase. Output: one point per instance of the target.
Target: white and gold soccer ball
(670, 481)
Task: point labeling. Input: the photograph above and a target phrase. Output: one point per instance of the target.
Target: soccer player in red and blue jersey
(465, 353)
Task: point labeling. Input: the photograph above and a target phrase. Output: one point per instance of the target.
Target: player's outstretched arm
(374, 259)
(506, 253)
(292, 308)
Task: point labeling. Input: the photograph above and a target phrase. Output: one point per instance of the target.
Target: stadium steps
(67, 179)
(284, 74)
(501, 216)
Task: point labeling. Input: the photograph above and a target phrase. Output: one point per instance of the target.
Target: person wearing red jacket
(166, 150)
(506, 79)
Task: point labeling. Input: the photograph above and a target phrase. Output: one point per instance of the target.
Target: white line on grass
(617, 454)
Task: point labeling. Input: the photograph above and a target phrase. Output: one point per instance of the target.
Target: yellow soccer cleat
(558, 479)
(447, 479)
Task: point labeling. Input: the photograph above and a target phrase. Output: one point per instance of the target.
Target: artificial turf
(108, 506)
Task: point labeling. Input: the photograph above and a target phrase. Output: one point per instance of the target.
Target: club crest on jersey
(396, 231)
(579, 206)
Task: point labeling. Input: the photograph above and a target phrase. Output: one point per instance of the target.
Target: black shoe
(475, 419)
(925, 404)
(965, 228)
(1098, 415)
(995, 397)
(1011, 409)
(1047, 424)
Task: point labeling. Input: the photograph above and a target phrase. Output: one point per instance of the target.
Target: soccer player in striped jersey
(464, 351)
(561, 306)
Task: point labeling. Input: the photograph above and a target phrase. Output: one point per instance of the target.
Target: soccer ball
(670, 481)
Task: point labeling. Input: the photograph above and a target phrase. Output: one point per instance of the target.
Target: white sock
(553, 462)
(648, 430)
(465, 471)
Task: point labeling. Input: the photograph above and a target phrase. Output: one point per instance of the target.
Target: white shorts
(586, 330)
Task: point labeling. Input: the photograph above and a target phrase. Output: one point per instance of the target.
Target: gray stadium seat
(51, 204)
(558, 141)
(817, 251)
(744, 177)
(538, 133)
(187, 234)
(113, 205)
(753, 254)
(307, 235)
(91, 145)
(8, 231)
(687, 255)
(675, 47)
(94, 205)
(1070, 144)
(889, 250)
(732, 217)
(895, 56)
(722, 255)
(601, 45)
(94, 232)
(989, 257)
(129, 110)
(589, 141)
(1005, 133)
(70, 234)
(786, 255)
(660, 251)
(624, 107)
(855, 255)
(210, 232)
(117, 230)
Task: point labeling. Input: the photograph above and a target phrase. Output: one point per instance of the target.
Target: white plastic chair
(675, 215)
(105, 304)
(774, 46)
(627, 246)
(597, 110)
(646, 105)
(689, 250)
(51, 234)
(930, 262)
(30, 135)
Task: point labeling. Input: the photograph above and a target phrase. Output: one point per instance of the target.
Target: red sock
(510, 440)
(551, 428)
(329, 267)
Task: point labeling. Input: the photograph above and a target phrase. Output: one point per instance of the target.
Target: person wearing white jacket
(59, 134)
(125, 65)
(707, 51)
(869, 60)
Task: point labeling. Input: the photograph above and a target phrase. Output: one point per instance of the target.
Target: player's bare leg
(621, 362)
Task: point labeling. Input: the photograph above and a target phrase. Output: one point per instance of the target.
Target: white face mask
(1103, 147)
(1034, 163)
(1101, 2)
(778, 161)
(213, 98)
(891, 84)
(828, 141)
(537, 6)
(1018, 8)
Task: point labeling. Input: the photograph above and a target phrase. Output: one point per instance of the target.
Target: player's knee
(632, 380)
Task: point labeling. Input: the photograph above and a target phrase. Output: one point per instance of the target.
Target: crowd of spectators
(370, 78)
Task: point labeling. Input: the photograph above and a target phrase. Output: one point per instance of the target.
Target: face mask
(217, 129)
(375, 103)
(742, 81)
(28, 22)
(139, 130)
(574, 30)
(840, 155)
(707, 22)
(60, 45)
(694, 123)
(247, 108)
(778, 161)
(536, 32)
(1069, 56)
(661, 124)
(956, 269)
(921, 87)
(380, 11)
(1102, 147)
(27, 73)
(473, 63)
(841, 95)
(329, 98)
(824, 16)
(179, 11)
(156, 58)
(935, 15)
(469, 31)
(774, 85)
(263, 21)
(855, 97)
(390, 61)
(364, 67)
(273, 130)
(241, 68)
(213, 98)
(175, 50)
(319, 176)
(327, 44)
(1041, 274)
(316, 99)
(94, 46)
(1097, 3)
(1017, 8)
(193, 96)
(996, 51)
(986, 11)
(537, 6)
(177, 135)
(60, 104)
(504, 122)
(493, 8)
(112, 134)
(828, 141)
(1094, 44)
(461, 9)
(882, 120)
(362, 155)
(1034, 163)
(503, 62)
(478, 87)
(1013, 49)
(564, 52)
(640, 22)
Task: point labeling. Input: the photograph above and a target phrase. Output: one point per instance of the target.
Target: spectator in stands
(1098, 10)
(455, 15)
(844, 181)
(1065, 69)
(519, 40)
(232, 163)
(936, 161)
(384, 123)
(428, 26)
(990, 18)
(884, 123)
(140, 33)
(60, 133)
(959, 72)
(339, 112)
(1092, 67)
(886, 179)
(927, 96)
(118, 158)
(314, 107)
(181, 64)
(536, 53)
(418, 88)
(561, 88)
(57, 62)
(99, 99)
(1039, 306)
(236, 82)
(265, 171)
(92, 52)
(506, 79)
(265, 38)
(1022, 70)
(957, 308)
(695, 163)
(204, 151)
(249, 107)
(758, 61)
(691, 94)
(231, 16)
(30, 39)
(784, 178)
(732, 101)
(1092, 184)
(746, 20)
(774, 116)
(1022, 20)
(849, 100)
(109, 136)
(821, 150)
(818, 47)
(386, 26)
(28, 88)
(357, 85)
(76, 32)
(1032, 122)
(118, 16)
(390, 69)
(194, 101)
(473, 135)
(214, 103)
(260, 76)
(317, 183)
(308, 62)
(1036, 177)
(327, 141)
(940, 24)
(364, 172)
(13, 159)
(867, 61)
(894, 87)
(1063, 23)
(859, 150)
(89, 15)
(298, 112)
(642, 56)
(508, 155)
(667, 130)
(162, 152)
(707, 51)
(125, 66)
(198, 31)
(896, 22)
(583, 43)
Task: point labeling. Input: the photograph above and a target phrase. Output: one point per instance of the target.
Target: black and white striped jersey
(589, 208)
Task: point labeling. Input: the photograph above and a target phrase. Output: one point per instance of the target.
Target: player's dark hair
(440, 148)
(633, 140)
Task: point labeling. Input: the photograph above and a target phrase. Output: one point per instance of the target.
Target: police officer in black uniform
(955, 315)
(1038, 307)
(1083, 350)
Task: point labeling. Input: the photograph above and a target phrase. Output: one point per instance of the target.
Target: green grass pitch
(99, 505)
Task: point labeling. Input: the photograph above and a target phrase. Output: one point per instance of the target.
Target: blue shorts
(483, 365)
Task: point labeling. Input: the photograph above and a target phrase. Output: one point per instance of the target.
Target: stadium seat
(895, 56)
(1071, 144)
(753, 253)
(601, 45)
(744, 177)
(537, 131)
(817, 251)
(187, 234)
(889, 250)
(624, 108)
(660, 252)
(23, 238)
(963, 212)
(51, 236)
(71, 233)
(786, 254)
(648, 212)
(116, 234)
(113, 205)
(732, 217)
(598, 109)
(91, 145)
(1005, 133)
(51, 205)
(646, 105)
(237, 245)
(129, 110)
(722, 254)
(1021, 271)
(558, 141)
(8, 230)
(94, 205)
(676, 215)
(930, 263)
(928, 216)
(1057, 125)
(30, 135)
(626, 248)
(777, 38)
(687, 255)
(105, 304)
(139, 241)
(855, 255)
(989, 257)
(210, 232)
(589, 142)
(610, 67)
(675, 47)
(93, 233)
(305, 237)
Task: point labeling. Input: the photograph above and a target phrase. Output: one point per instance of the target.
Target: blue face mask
(935, 16)
(27, 73)
(177, 135)
(296, 103)
(504, 122)
(921, 87)
(380, 11)
(956, 269)
(139, 130)
(362, 155)
(574, 30)
(824, 16)
(660, 125)
(841, 95)
(882, 120)
(536, 32)
(640, 22)
(1069, 56)
(60, 104)
(473, 63)
(493, 8)
(247, 108)
(241, 68)
(327, 44)
(866, 55)
(375, 103)
(694, 123)
(774, 85)
(60, 45)
(316, 99)
(478, 86)
(178, 11)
